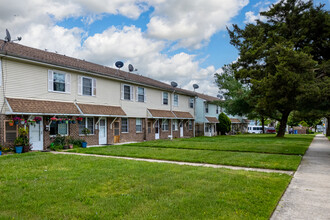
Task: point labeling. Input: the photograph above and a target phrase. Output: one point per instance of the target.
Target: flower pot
(18, 149)
(11, 123)
(73, 122)
(16, 122)
(71, 146)
(26, 149)
(84, 144)
(79, 122)
(22, 122)
(0, 152)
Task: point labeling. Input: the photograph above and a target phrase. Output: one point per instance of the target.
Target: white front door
(36, 136)
(157, 130)
(181, 129)
(103, 131)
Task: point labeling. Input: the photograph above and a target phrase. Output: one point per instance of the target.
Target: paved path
(308, 195)
(182, 163)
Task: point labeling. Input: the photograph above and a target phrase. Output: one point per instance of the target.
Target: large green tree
(281, 57)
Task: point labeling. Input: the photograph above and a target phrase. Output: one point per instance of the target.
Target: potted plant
(22, 121)
(85, 131)
(0, 149)
(53, 119)
(37, 119)
(11, 123)
(19, 141)
(16, 120)
(79, 120)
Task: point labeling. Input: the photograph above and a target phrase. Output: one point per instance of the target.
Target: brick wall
(132, 135)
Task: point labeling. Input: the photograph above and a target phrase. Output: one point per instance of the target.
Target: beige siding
(31, 81)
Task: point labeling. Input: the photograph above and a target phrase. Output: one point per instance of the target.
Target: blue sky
(169, 40)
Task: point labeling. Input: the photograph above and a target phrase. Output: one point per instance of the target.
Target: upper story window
(191, 102)
(86, 86)
(217, 110)
(87, 123)
(141, 94)
(165, 98)
(206, 108)
(175, 100)
(124, 125)
(59, 81)
(126, 92)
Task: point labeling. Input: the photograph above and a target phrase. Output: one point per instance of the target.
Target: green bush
(56, 147)
(224, 125)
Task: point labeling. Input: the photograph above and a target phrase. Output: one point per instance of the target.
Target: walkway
(182, 163)
(308, 195)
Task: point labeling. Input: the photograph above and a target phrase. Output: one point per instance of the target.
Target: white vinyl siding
(175, 100)
(126, 92)
(86, 86)
(138, 125)
(59, 82)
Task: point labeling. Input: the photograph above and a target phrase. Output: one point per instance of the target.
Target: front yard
(47, 186)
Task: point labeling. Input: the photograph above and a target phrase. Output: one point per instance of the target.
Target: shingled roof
(29, 53)
(207, 97)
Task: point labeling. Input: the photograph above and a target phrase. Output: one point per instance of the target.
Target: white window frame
(67, 77)
(165, 122)
(206, 107)
(163, 98)
(86, 126)
(144, 94)
(190, 125)
(138, 122)
(80, 85)
(175, 126)
(191, 102)
(176, 104)
(130, 92)
(67, 130)
(121, 125)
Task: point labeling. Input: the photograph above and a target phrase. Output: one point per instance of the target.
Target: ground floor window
(175, 125)
(149, 127)
(206, 128)
(10, 132)
(165, 125)
(124, 125)
(138, 125)
(190, 125)
(61, 129)
(87, 123)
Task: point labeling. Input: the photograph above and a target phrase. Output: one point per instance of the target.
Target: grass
(290, 144)
(46, 186)
(258, 160)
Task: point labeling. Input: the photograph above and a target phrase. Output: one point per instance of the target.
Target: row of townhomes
(55, 94)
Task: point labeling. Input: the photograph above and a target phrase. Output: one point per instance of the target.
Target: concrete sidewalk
(308, 195)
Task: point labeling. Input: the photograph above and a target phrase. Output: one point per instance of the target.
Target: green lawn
(290, 144)
(259, 160)
(47, 186)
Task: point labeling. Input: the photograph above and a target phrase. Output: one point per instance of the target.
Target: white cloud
(191, 23)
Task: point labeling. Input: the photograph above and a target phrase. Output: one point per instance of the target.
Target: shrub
(224, 124)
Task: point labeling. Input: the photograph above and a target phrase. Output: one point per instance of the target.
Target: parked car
(270, 130)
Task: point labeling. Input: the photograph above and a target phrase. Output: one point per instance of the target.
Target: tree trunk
(263, 124)
(328, 126)
(284, 120)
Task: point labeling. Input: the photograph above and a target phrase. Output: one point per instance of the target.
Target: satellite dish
(195, 86)
(130, 68)
(219, 96)
(119, 64)
(8, 37)
(174, 84)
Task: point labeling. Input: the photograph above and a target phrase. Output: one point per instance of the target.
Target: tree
(224, 125)
(280, 57)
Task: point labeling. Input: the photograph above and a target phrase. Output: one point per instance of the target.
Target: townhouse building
(69, 94)
(207, 113)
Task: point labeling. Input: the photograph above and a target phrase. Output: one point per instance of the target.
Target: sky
(185, 41)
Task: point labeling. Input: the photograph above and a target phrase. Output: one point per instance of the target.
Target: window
(10, 132)
(175, 100)
(165, 125)
(138, 125)
(87, 123)
(61, 129)
(59, 81)
(206, 128)
(175, 125)
(124, 125)
(217, 110)
(206, 108)
(149, 127)
(190, 125)
(191, 102)
(165, 98)
(126, 92)
(140, 96)
(86, 86)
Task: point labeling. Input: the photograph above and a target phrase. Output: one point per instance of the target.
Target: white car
(254, 129)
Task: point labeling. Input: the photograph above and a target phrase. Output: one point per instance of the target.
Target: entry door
(36, 136)
(103, 131)
(157, 130)
(181, 129)
(116, 133)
